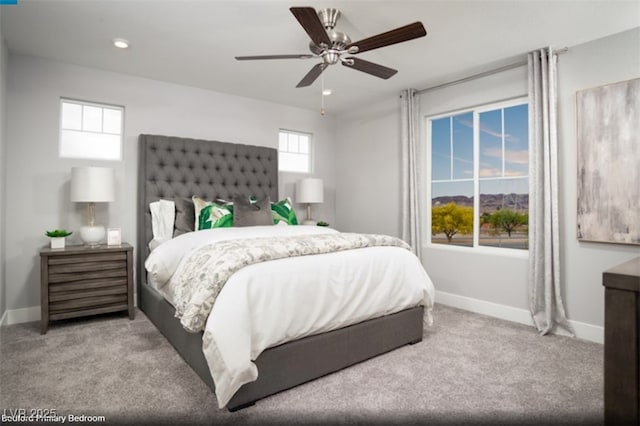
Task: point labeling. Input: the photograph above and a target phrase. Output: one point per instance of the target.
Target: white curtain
(545, 299)
(409, 128)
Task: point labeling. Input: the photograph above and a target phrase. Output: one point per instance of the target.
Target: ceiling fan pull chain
(322, 95)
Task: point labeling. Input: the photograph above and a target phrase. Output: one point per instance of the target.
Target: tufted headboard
(171, 167)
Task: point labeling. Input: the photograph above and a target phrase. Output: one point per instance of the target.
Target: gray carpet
(468, 369)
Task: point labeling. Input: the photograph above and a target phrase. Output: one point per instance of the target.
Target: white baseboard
(583, 330)
(16, 316)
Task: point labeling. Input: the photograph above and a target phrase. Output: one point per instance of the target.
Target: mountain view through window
(479, 177)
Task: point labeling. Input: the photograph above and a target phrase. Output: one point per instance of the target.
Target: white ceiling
(194, 42)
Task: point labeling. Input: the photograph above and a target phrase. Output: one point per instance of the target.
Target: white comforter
(267, 304)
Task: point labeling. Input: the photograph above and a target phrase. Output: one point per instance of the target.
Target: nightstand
(78, 281)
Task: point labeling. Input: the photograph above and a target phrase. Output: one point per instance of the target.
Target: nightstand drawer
(88, 266)
(60, 296)
(82, 285)
(87, 302)
(80, 312)
(87, 275)
(87, 258)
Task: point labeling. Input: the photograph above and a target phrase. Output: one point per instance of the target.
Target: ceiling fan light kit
(331, 46)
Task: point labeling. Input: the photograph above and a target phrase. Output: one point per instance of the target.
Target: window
(294, 152)
(479, 176)
(90, 130)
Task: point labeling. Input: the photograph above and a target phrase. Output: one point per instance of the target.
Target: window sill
(485, 251)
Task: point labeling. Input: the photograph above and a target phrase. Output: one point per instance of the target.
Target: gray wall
(37, 180)
(368, 197)
(3, 90)
(368, 166)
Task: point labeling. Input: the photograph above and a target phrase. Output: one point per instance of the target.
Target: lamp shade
(93, 184)
(310, 190)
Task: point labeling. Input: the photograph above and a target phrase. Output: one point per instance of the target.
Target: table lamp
(92, 185)
(309, 191)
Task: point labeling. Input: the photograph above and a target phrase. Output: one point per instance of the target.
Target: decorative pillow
(211, 215)
(283, 212)
(185, 215)
(162, 218)
(251, 213)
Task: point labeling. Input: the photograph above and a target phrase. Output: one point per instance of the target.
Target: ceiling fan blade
(312, 75)
(308, 18)
(370, 67)
(254, 58)
(406, 33)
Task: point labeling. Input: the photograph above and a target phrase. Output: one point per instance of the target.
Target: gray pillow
(246, 213)
(185, 216)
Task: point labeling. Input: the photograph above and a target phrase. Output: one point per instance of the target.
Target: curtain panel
(545, 299)
(409, 129)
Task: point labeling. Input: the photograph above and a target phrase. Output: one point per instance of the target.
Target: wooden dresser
(621, 344)
(78, 281)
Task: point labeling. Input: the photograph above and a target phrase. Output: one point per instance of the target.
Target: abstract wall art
(608, 137)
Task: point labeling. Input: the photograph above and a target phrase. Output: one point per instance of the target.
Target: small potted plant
(57, 237)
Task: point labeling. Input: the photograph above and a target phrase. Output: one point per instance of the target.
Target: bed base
(293, 363)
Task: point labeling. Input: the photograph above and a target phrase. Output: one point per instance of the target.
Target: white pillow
(163, 216)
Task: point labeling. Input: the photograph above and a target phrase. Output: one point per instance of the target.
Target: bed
(171, 167)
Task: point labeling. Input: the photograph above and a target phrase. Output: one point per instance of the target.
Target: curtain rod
(483, 74)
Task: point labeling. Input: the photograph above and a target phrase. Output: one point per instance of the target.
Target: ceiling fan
(333, 46)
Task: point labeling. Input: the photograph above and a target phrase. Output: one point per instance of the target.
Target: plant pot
(57, 242)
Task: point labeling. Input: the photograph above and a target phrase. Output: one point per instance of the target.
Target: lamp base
(92, 235)
(309, 222)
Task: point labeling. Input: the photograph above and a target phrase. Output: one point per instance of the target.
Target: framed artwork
(608, 137)
(114, 237)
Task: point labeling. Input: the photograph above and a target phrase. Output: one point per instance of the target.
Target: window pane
(91, 119)
(291, 162)
(77, 144)
(282, 141)
(504, 213)
(516, 128)
(441, 149)
(71, 116)
(491, 143)
(304, 144)
(112, 121)
(463, 146)
(293, 142)
(452, 213)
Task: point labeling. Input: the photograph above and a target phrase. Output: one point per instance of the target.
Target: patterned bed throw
(208, 268)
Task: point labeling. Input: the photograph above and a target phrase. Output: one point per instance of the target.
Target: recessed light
(327, 92)
(120, 43)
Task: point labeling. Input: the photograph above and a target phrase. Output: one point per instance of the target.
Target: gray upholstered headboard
(171, 167)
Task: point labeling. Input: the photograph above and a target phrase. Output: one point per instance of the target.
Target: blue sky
(455, 160)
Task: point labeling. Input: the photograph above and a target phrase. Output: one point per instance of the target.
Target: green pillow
(283, 211)
(211, 215)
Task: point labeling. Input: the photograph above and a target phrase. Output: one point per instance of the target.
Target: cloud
(485, 129)
(493, 172)
(511, 155)
(439, 154)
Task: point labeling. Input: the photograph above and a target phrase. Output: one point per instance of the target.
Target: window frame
(476, 111)
(102, 106)
(310, 151)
